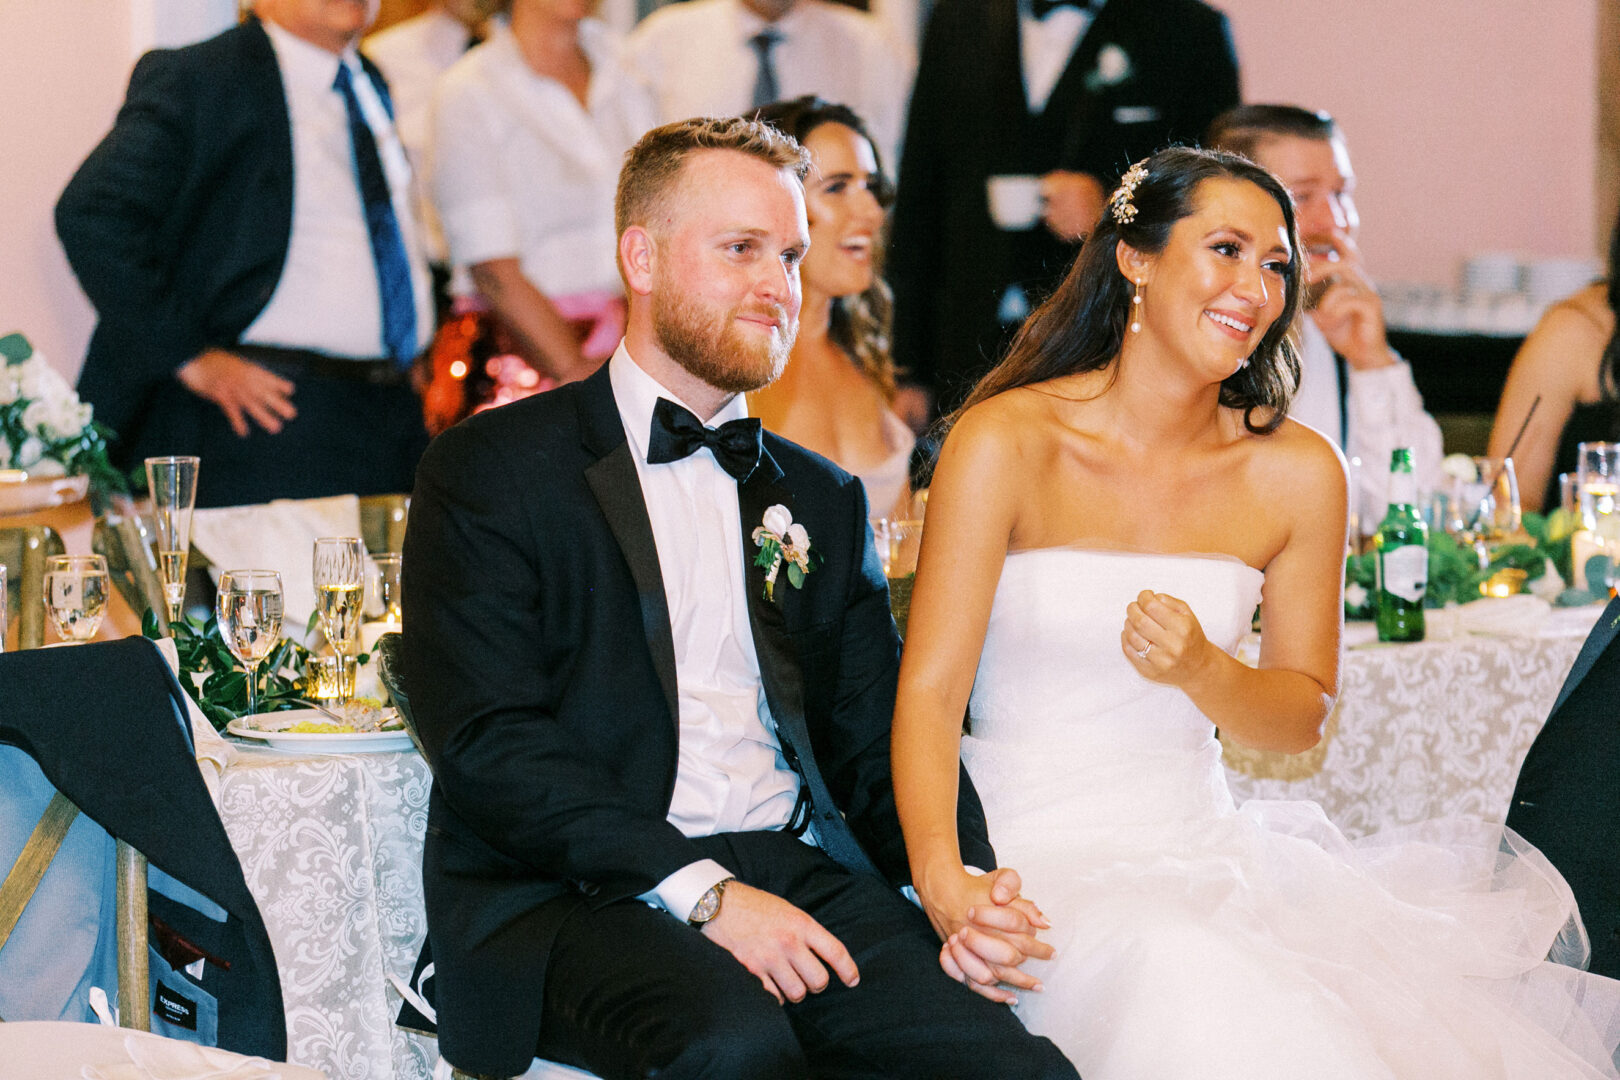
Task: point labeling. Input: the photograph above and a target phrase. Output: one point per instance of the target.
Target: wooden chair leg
(134, 972)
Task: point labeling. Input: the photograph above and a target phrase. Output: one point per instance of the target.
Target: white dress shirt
(1047, 46)
(730, 775)
(328, 298)
(412, 55)
(1385, 412)
(520, 169)
(697, 57)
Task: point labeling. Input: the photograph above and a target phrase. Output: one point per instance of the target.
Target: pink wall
(66, 63)
(1472, 124)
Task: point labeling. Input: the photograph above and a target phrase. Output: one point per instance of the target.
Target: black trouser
(352, 436)
(634, 992)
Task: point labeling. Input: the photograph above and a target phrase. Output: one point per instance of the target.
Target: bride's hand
(1163, 640)
(988, 931)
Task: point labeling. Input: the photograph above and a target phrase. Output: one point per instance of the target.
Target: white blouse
(520, 169)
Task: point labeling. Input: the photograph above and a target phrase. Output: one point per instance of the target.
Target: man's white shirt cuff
(679, 893)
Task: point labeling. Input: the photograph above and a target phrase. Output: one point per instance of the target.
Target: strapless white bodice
(1198, 939)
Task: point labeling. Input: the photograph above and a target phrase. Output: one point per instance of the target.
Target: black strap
(1342, 367)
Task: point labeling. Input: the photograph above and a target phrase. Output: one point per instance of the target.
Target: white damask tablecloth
(332, 845)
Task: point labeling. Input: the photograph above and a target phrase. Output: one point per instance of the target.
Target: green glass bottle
(1402, 544)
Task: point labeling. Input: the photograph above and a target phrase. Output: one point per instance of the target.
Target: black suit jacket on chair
(177, 225)
(1567, 799)
(949, 263)
(542, 672)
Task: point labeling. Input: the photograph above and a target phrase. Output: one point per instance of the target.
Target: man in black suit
(1065, 95)
(245, 234)
(1567, 800)
(637, 716)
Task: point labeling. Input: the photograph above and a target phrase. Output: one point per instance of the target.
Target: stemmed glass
(173, 484)
(1597, 492)
(76, 595)
(1483, 509)
(249, 608)
(388, 606)
(340, 586)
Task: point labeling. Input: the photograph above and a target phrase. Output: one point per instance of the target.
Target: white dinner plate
(267, 728)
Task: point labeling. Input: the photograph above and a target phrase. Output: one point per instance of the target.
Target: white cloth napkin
(277, 536)
(1508, 616)
(214, 754)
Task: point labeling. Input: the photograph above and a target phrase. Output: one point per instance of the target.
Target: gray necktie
(765, 90)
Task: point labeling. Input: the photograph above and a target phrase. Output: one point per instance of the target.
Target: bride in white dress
(1110, 506)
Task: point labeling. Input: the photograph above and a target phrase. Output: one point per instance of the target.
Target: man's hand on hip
(786, 949)
(1072, 203)
(241, 389)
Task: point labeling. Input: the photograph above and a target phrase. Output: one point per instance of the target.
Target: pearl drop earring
(1136, 309)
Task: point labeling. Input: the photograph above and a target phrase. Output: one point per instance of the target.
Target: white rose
(35, 379)
(778, 520)
(37, 415)
(1355, 595)
(798, 537)
(29, 453)
(10, 390)
(1549, 585)
(1460, 467)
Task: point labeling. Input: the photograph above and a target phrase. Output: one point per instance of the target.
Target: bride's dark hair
(1081, 326)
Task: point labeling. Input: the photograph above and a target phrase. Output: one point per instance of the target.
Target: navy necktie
(387, 243)
(676, 434)
(765, 88)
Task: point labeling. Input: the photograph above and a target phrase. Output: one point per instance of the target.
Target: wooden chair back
(23, 551)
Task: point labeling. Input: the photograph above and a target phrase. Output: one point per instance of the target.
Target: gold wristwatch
(708, 905)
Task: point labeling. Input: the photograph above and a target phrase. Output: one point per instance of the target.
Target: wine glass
(76, 595)
(249, 607)
(386, 604)
(172, 482)
(340, 586)
(1482, 506)
(1597, 493)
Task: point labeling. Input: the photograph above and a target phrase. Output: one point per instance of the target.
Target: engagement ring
(1141, 654)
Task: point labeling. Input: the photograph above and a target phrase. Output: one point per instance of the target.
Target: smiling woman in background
(836, 392)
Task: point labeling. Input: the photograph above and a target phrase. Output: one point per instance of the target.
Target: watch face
(706, 907)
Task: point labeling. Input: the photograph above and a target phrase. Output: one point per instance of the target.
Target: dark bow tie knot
(677, 434)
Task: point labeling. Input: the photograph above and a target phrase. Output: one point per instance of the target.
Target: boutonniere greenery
(782, 541)
(1113, 67)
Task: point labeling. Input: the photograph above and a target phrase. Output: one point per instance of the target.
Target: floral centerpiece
(45, 430)
(1455, 575)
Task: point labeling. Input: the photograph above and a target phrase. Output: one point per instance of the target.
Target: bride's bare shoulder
(1007, 427)
(1298, 460)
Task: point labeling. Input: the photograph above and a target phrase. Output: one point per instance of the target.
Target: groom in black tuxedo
(662, 837)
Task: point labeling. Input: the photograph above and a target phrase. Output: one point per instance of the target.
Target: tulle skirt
(1199, 940)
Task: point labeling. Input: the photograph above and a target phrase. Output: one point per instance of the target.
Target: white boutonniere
(780, 540)
(1113, 67)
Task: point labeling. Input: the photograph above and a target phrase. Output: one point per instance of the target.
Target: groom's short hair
(654, 164)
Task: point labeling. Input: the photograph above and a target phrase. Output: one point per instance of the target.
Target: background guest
(723, 57)
(1571, 360)
(1353, 388)
(246, 237)
(528, 133)
(834, 395)
(1067, 93)
(412, 55)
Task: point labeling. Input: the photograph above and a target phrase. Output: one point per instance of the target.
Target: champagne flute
(249, 608)
(340, 586)
(76, 595)
(173, 484)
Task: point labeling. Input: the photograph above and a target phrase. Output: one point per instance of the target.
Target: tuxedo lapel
(779, 669)
(1072, 99)
(613, 481)
(1608, 626)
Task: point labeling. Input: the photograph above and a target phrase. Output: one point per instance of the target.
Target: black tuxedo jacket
(1567, 800)
(949, 263)
(127, 762)
(177, 225)
(542, 672)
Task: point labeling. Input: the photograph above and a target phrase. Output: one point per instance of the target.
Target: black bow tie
(676, 434)
(1043, 8)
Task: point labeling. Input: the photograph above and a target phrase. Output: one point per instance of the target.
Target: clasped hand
(988, 931)
(1163, 639)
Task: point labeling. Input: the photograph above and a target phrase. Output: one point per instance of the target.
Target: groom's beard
(712, 347)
